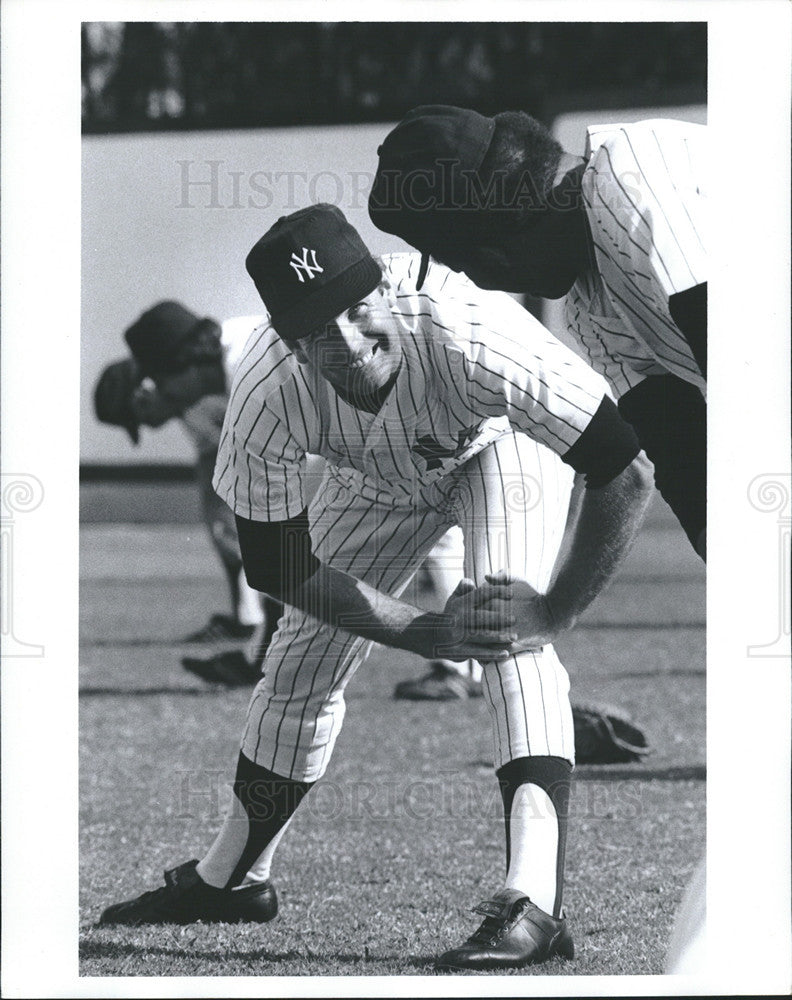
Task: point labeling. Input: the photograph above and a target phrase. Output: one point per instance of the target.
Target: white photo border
(748, 697)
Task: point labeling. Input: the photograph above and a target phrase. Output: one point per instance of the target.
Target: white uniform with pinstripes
(484, 402)
(644, 194)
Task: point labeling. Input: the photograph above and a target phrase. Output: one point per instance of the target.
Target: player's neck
(371, 403)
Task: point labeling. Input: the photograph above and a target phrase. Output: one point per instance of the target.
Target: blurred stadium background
(197, 136)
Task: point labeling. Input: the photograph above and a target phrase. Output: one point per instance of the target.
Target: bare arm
(606, 526)
(601, 535)
(477, 622)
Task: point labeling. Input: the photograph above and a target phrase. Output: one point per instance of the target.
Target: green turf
(403, 835)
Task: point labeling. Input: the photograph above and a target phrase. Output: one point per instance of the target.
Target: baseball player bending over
(446, 406)
(621, 232)
(181, 367)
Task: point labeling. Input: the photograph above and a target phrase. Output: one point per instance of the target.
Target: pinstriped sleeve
(512, 365)
(647, 183)
(645, 199)
(261, 461)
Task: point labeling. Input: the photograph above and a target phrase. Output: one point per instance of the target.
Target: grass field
(389, 852)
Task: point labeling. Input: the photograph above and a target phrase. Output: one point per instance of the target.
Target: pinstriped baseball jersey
(646, 207)
(511, 502)
(475, 366)
(204, 420)
(234, 335)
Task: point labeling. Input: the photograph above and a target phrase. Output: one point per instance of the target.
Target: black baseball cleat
(221, 627)
(186, 898)
(515, 933)
(231, 669)
(441, 683)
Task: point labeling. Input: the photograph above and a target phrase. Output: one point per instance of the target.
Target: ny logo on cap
(303, 267)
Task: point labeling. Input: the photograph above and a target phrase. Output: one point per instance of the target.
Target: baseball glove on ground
(604, 735)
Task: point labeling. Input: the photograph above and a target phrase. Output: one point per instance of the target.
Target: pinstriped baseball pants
(511, 501)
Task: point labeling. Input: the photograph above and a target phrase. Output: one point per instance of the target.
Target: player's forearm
(342, 601)
(605, 528)
(279, 561)
(278, 558)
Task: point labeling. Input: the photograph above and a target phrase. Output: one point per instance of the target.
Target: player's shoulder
(639, 145)
(401, 267)
(439, 284)
(443, 291)
(239, 328)
(234, 335)
(450, 314)
(429, 312)
(630, 165)
(265, 363)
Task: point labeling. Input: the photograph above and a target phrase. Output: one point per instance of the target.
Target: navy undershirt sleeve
(277, 555)
(670, 418)
(605, 448)
(689, 312)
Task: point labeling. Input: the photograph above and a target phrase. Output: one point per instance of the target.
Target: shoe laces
(495, 923)
(177, 884)
(157, 899)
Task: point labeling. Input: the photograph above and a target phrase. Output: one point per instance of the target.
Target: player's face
(358, 352)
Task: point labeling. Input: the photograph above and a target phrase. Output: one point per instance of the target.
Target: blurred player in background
(181, 368)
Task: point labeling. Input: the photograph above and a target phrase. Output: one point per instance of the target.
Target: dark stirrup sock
(554, 776)
(269, 802)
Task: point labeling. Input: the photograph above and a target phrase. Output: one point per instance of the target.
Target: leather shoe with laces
(186, 898)
(515, 933)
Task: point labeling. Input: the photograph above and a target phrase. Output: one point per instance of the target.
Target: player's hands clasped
(479, 622)
(535, 625)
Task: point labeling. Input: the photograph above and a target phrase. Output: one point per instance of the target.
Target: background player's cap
(425, 173)
(310, 267)
(113, 396)
(157, 338)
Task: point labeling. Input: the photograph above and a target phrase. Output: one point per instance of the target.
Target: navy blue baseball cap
(426, 175)
(113, 396)
(157, 337)
(310, 267)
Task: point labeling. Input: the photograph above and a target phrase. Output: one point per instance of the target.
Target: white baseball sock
(534, 846)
